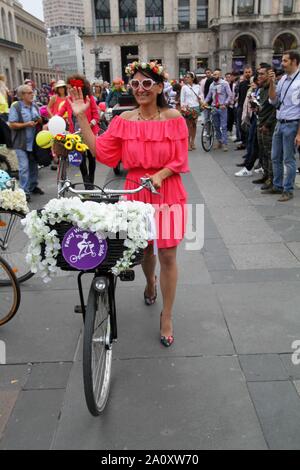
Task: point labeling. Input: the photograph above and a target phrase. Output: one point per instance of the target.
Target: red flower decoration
(155, 70)
(77, 83)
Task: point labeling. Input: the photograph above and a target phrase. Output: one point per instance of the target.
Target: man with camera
(286, 98)
(23, 119)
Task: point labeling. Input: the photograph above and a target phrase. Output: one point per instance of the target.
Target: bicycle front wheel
(207, 138)
(97, 351)
(10, 296)
(14, 244)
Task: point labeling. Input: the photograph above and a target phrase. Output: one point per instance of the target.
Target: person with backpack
(24, 117)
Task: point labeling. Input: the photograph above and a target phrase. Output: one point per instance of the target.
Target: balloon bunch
(56, 125)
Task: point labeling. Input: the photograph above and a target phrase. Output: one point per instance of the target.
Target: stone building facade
(23, 47)
(31, 33)
(187, 34)
(10, 47)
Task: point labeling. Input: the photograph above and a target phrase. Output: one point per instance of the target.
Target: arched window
(102, 13)
(128, 15)
(11, 27)
(4, 24)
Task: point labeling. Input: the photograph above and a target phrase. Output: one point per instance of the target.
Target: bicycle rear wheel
(207, 137)
(97, 350)
(10, 296)
(14, 244)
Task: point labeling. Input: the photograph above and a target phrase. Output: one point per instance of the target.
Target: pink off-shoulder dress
(146, 147)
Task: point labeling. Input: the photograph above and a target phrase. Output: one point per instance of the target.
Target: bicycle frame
(112, 284)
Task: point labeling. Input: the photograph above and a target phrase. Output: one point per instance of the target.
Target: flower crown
(153, 67)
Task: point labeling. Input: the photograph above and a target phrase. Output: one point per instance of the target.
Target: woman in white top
(190, 106)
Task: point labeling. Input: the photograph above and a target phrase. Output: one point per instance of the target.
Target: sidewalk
(227, 383)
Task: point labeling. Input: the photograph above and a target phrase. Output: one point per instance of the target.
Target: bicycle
(208, 132)
(14, 242)
(99, 314)
(10, 296)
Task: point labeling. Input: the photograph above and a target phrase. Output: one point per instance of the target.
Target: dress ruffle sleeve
(109, 147)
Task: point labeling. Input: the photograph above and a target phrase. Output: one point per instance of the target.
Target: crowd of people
(245, 107)
(263, 107)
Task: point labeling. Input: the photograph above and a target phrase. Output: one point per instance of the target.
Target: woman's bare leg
(149, 265)
(168, 284)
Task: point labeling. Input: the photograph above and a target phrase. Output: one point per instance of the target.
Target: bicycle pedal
(78, 309)
(127, 276)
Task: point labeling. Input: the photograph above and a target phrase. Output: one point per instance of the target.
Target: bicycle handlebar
(146, 184)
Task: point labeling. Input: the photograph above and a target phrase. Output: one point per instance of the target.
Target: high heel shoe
(166, 341)
(151, 300)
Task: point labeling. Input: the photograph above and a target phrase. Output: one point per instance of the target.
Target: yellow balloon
(44, 139)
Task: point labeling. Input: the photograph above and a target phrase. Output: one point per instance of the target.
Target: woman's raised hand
(76, 100)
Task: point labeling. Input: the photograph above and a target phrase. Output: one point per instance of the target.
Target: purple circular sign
(84, 250)
(75, 158)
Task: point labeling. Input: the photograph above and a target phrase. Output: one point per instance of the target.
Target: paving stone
(263, 367)
(262, 318)
(8, 400)
(297, 385)
(238, 225)
(292, 369)
(294, 248)
(44, 330)
(14, 377)
(278, 408)
(180, 403)
(255, 276)
(33, 421)
(48, 376)
(199, 325)
(262, 256)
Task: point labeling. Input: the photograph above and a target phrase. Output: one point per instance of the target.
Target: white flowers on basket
(134, 218)
(14, 200)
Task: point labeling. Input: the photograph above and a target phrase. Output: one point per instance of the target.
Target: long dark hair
(161, 99)
(86, 90)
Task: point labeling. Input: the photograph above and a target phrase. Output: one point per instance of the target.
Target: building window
(184, 14)
(184, 67)
(102, 12)
(288, 7)
(128, 15)
(154, 15)
(245, 7)
(202, 13)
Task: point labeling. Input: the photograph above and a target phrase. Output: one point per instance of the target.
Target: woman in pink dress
(150, 140)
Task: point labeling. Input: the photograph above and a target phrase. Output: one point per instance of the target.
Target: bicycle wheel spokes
(14, 244)
(9, 295)
(207, 137)
(97, 352)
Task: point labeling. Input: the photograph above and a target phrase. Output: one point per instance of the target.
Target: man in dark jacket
(266, 126)
(243, 88)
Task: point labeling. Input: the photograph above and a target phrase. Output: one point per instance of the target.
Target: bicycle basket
(115, 250)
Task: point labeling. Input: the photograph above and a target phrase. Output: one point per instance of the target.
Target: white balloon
(57, 125)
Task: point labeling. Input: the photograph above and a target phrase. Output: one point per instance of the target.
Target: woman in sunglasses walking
(150, 140)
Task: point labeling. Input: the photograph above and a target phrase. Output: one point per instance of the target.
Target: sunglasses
(146, 84)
